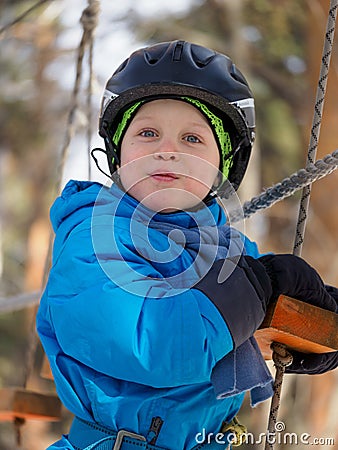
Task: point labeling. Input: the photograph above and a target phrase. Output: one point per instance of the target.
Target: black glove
(292, 276)
(312, 363)
(333, 291)
(242, 297)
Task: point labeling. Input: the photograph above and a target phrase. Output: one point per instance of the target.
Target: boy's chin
(171, 205)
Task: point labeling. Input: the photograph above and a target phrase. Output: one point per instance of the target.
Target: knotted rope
(282, 359)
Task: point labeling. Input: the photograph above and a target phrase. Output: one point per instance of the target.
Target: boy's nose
(167, 151)
(166, 156)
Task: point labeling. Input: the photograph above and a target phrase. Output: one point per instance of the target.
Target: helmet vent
(201, 56)
(199, 63)
(155, 55)
(121, 67)
(236, 75)
(152, 61)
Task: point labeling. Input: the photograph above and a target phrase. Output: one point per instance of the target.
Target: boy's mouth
(164, 176)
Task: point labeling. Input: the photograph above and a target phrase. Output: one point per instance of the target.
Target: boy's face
(169, 156)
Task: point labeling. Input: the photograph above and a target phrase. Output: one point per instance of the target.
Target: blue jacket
(126, 341)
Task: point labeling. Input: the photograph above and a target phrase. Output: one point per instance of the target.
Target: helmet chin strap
(115, 177)
(98, 149)
(111, 150)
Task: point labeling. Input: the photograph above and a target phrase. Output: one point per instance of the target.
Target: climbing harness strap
(86, 435)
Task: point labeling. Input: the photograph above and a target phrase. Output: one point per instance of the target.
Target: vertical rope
(89, 106)
(316, 123)
(282, 359)
(279, 352)
(89, 20)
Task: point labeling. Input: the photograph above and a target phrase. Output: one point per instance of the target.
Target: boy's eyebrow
(139, 117)
(201, 125)
(195, 124)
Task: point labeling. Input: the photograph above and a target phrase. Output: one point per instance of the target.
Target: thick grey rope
(287, 187)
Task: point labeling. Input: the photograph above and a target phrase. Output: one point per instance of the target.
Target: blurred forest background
(278, 46)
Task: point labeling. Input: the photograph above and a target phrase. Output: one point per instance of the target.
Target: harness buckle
(237, 430)
(121, 434)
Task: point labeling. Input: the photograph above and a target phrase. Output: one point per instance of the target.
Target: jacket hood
(75, 196)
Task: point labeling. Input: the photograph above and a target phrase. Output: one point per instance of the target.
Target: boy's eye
(148, 133)
(192, 138)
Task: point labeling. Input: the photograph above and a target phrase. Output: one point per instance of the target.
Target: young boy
(152, 300)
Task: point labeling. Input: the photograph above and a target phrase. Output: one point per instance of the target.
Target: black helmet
(176, 69)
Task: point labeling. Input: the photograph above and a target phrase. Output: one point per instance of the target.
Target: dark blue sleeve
(240, 289)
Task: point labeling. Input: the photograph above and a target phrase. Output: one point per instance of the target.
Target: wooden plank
(299, 326)
(29, 405)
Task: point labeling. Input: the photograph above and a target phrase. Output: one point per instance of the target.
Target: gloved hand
(333, 291)
(304, 363)
(291, 275)
(312, 363)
